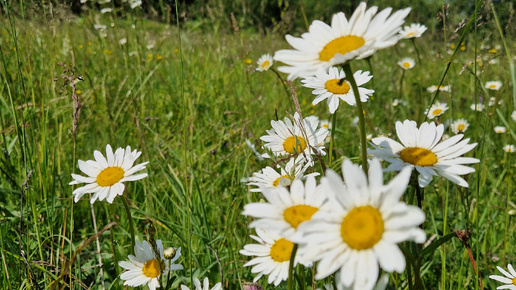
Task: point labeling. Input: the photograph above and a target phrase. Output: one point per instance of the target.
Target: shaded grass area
(194, 140)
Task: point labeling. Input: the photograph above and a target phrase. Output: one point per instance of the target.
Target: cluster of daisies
(105, 180)
(349, 224)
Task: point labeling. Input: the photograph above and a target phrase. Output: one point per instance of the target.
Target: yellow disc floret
(294, 144)
(281, 250)
(418, 156)
(110, 176)
(362, 228)
(336, 86)
(151, 268)
(342, 45)
(437, 112)
(297, 214)
(278, 180)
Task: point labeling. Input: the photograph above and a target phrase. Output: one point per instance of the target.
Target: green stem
(401, 85)
(361, 119)
(333, 125)
(130, 218)
(287, 91)
(291, 268)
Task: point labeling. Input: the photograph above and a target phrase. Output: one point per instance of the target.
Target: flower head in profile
(432, 89)
(493, 85)
(358, 229)
(286, 209)
(414, 30)
(324, 46)
(407, 63)
(144, 268)
(264, 62)
(106, 177)
(423, 149)
(333, 87)
(500, 129)
(269, 177)
(204, 286)
(509, 148)
(459, 126)
(273, 256)
(298, 137)
(508, 278)
(436, 110)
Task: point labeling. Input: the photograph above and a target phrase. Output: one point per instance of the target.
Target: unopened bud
(169, 253)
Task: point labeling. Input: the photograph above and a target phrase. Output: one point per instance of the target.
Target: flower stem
(361, 119)
(291, 268)
(332, 137)
(130, 217)
(282, 82)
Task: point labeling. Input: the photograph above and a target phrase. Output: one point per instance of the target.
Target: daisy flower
(144, 268)
(432, 89)
(513, 115)
(106, 176)
(270, 178)
(509, 148)
(492, 101)
(407, 63)
(436, 110)
(509, 279)
(285, 210)
(302, 136)
(360, 225)
(413, 30)
(421, 148)
(500, 129)
(397, 102)
(477, 107)
(204, 286)
(459, 126)
(273, 256)
(264, 62)
(380, 285)
(333, 87)
(493, 85)
(324, 46)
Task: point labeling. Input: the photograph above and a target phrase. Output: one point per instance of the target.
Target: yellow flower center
(265, 64)
(276, 182)
(406, 64)
(297, 214)
(461, 127)
(411, 34)
(110, 176)
(281, 250)
(418, 156)
(294, 144)
(437, 112)
(326, 126)
(492, 86)
(151, 268)
(362, 228)
(342, 45)
(336, 86)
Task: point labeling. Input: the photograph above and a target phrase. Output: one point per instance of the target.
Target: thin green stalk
(291, 268)
(361, 118)
(130, 218)
(445, 230)
(401, 85)
(282, 82)
(417, 50)
(333, 125)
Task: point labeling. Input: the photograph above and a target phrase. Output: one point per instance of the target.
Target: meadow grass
(189, 106)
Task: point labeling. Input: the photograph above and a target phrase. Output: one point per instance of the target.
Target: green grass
(189, 108)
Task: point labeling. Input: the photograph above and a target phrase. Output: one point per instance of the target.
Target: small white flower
(397, 102)
(407, 63)
(99, 26)
(500, 129)
(477, 107)
(135, 3)
(414, 30)
(144, 267)
(509, 148)
(204, 286)
(333, 87)
(106, 10)
(494, 85)
(432, 89)
(122, 41)
(513, 115)
(264, 62)
(509, 279)
(459, 126)
(437, 109)
(492, 101)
